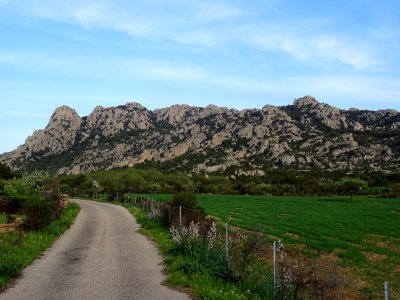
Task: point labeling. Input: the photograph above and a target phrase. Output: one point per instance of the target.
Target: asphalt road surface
(100, 257)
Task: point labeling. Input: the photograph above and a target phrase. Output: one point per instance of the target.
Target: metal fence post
(227, 241)
(387, 291)
(274, 250)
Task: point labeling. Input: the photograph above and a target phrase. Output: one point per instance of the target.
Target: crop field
(363, 232)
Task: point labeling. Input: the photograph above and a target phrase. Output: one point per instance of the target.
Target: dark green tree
(5, 172)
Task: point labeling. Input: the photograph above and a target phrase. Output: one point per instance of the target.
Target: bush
(185, 199)
(36, 196)
(5, 172)
(38, 214)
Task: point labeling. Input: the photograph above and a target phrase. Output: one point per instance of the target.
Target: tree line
(117, 182)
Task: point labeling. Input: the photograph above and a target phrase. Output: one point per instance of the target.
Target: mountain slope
(307, 134)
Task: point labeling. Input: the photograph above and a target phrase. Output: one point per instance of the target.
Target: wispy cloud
(328, 48)
(365, 88)
(207, 24)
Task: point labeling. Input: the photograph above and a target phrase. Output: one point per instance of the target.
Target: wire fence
(183, 217)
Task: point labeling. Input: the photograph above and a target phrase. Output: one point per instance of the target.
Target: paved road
(100, 257)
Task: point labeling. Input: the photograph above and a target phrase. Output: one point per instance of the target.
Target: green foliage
(5, 172)
(38, 213)
(20, 189)
(17, 252)
(122, 181)
(280, 182)
(36, 179)
(351, 186)
(205, 272)
(185, 199)
(34, 195)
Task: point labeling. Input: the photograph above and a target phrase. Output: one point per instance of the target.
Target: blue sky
(240, 54)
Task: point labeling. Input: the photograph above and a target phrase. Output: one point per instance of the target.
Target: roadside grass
(3, 218)
(200, 284)
(18, 250)
(363, 232)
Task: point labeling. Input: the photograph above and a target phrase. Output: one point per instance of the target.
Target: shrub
(38, 214)
(5, 171)
(185, 199)
(36, 196)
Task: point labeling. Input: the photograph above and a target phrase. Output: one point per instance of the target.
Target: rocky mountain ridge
(307, 134)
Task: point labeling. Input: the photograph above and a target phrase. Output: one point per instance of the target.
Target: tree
(5, 172)
(351, 186)
(185, 199)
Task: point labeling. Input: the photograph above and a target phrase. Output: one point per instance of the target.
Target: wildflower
(194, 230)
(176, 235)
(212, 235)
(154, 213)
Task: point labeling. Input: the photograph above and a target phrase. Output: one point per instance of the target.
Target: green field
(363, 232)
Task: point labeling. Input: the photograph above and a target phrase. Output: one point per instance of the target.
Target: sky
(236, 54)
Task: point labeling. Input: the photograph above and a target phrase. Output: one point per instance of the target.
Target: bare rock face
(59, 136)
(307, 134)
(307, 101)
(111, 121)
(326, 114)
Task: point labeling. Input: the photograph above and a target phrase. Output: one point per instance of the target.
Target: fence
(170, 216)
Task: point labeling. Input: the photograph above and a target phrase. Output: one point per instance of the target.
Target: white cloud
(210, 24)
(89, 16)
(324, 48)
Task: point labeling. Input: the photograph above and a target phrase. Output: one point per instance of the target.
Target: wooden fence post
(180, 215)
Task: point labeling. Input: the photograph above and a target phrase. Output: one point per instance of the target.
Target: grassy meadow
(363, 232)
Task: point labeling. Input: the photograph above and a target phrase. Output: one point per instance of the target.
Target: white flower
(212, 235)
(194, 230)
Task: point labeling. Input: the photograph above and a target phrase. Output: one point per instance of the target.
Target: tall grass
(19, 249)
(199, 262)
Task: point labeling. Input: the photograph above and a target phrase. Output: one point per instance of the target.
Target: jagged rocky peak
(134, 106)
(175, 114)
(113, 120)
(306, 101)
(307, 134)
(64, 113)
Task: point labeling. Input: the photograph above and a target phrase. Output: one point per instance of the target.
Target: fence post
(180, 215)
(387, 291)
(274, 250)
(227, 241)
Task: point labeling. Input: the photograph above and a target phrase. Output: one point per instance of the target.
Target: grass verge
(204, 285)
(18, 250)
